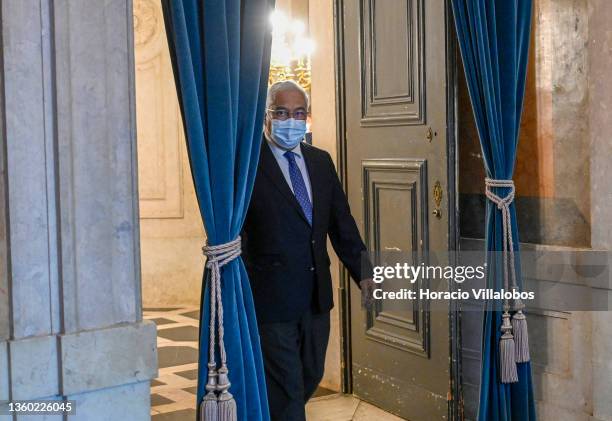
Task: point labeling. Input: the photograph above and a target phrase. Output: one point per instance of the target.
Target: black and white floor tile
(173, 393)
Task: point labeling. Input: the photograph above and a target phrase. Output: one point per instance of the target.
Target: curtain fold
(494, 39)
(220, 51)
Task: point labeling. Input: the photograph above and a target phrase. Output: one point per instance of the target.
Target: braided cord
(217, 257)
(503, 204)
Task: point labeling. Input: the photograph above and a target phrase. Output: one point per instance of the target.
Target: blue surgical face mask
(288, 133)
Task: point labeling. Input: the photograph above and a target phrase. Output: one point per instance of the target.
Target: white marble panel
(4, 374)
(108, 357)
(128, 402)
(34, 367)
(28, 142)
(97, 163)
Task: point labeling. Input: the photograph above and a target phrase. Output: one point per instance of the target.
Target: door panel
(391, 70)
(396, 190)
(396, 152)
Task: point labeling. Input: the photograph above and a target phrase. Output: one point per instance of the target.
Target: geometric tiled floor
(173, 393)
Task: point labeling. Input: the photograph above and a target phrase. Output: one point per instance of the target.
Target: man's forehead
(290, 97)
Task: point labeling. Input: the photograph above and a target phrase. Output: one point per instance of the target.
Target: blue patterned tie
(299, 187)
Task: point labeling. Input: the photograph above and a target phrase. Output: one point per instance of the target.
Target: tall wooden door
(395, 105)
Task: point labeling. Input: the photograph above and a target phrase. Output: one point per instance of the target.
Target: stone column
(600, 104)
(70, 302)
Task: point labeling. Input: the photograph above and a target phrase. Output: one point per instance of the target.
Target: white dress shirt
(283, 163)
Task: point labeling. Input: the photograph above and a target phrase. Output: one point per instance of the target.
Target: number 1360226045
(37, 407)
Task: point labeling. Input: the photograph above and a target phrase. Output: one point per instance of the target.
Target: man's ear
(267, 124)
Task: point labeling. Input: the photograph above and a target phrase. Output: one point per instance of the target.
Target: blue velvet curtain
(220, 51)
(494, 41)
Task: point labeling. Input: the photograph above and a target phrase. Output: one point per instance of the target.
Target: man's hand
(367, 293)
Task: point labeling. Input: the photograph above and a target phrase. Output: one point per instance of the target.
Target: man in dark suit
(297, 202)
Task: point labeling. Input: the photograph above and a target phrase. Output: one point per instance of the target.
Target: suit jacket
(285, 257)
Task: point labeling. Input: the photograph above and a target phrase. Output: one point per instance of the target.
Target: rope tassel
(209, 410)
(514, 342)
(521, 338)
(227, 407)
(507, 361)
(218, 404)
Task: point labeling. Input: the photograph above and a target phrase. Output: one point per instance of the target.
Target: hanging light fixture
(291, 51)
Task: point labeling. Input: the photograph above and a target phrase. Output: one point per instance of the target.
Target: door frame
(455, 397)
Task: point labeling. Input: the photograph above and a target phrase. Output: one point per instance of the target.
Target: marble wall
(599, 50)
(70, 296)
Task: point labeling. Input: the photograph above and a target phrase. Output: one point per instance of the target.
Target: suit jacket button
(311, 268)
(313, 241)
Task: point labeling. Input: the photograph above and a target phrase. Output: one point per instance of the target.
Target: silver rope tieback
(514, 343)
(218, 404)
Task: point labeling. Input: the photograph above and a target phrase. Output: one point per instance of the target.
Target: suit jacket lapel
(270, 167)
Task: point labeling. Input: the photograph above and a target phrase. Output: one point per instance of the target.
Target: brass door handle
(437, 196)
(429, 134)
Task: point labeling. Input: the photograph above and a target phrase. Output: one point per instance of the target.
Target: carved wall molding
(160, 132)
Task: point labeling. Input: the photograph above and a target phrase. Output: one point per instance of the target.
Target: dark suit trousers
(294, 360)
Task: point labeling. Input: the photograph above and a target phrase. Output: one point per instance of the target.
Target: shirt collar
(279, 152)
